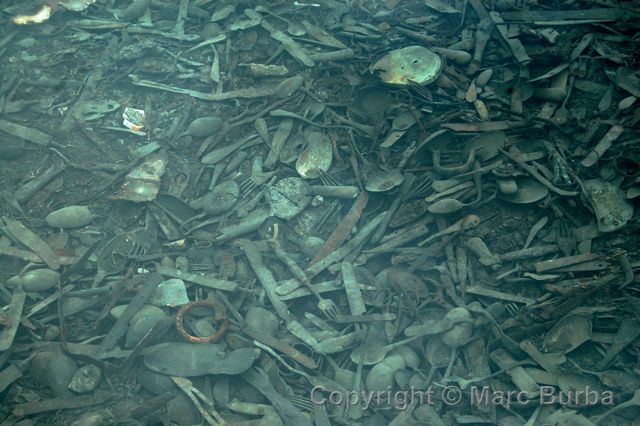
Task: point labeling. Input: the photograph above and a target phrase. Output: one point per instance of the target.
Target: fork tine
(301, 402)
(327, 179)
(139, 247)
(244, 183)
(512, 309)
(421, 187)
(257, 178)
(565, 238)
(248, 186)
(328, 215)
(420, 90)
(135, 248)
(329, 308)
(137, 251)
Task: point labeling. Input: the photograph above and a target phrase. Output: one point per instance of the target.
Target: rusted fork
(421, 187)
(326, 306)
(257, 178)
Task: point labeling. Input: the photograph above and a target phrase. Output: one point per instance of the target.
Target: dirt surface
(257, 193)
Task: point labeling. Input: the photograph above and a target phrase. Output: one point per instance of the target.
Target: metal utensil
(564, 238)
(317, 155)
(438, 354)
(568, 333)
(257, 178)
(373, 354)
(326, 306)
(401, 196)
(634, 401)
(401, 123)
(113, 257)
(422, 187)
(628, 332)
(296, 29)
(529, 191)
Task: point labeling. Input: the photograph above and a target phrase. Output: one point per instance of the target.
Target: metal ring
(195, 339)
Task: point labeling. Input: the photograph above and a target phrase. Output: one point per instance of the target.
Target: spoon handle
(409, 179)
(627, 333)
(281, 346)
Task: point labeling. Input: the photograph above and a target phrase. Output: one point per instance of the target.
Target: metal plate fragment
(529, 191)
(411, 63)
(143, 183)
(288, 198)
(94, 109)
(609, 204)
(316, 157)
(171, 292)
